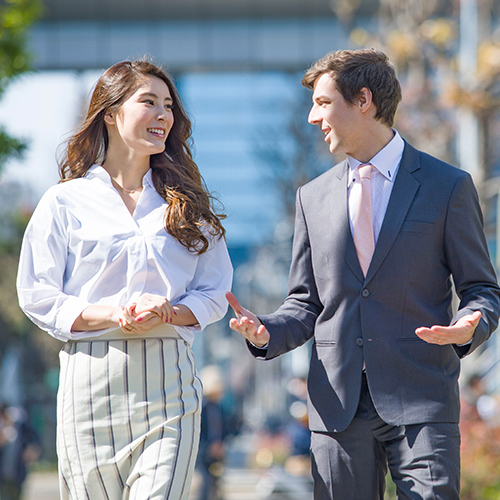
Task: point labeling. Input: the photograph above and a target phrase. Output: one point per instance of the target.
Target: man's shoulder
(326, 178)
(431, 167)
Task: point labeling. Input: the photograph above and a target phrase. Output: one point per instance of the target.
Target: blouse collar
(99, 172)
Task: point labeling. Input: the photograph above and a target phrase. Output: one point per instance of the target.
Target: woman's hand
(149, 303)
(148, 312)
(129, 323)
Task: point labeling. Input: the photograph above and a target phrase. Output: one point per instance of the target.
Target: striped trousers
(128, 419)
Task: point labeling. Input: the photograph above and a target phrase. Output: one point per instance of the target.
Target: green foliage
(16, 17)
(13, 220)
(9, 146)
(480, 458)
(390, 492)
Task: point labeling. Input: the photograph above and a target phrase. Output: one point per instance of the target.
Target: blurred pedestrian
(19, 447)
(125, 260)
(298, 463)
(210, 463)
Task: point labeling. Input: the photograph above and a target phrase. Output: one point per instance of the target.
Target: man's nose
(313, 117)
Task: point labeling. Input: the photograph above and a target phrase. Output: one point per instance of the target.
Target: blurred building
(238, 65)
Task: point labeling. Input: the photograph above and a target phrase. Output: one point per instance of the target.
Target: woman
(124, 260)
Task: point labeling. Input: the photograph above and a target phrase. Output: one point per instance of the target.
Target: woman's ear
(109, 118)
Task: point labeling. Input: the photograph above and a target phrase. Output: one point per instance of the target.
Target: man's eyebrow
(152, 94)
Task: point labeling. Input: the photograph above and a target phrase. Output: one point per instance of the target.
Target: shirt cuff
(198, 309)
(265, 346)
(70, 309)
(467, 343)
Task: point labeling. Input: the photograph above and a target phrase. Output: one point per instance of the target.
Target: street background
(238, 66)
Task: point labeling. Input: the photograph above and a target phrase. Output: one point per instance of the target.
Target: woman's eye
(169, 106)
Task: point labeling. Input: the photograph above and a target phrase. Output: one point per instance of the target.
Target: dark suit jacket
(432, 232)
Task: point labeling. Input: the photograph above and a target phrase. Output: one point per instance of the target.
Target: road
(237, 484)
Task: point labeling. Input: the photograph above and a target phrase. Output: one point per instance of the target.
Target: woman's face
(142, 124)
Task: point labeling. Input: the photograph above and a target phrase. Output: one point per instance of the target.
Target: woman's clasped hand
(147, 312)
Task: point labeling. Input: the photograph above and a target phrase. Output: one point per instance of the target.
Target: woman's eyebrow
(152, 94)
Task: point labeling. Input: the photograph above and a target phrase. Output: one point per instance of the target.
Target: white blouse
(83, 247)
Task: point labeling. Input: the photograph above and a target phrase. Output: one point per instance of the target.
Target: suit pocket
(417, 227)
(414, 339)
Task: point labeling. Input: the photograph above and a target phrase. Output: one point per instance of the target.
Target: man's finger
(233, 302)
(476, 316)
(261, 330)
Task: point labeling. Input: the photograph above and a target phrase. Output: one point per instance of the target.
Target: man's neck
(373, 142)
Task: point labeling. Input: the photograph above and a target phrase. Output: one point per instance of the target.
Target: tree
(17, 334)
(16, 17)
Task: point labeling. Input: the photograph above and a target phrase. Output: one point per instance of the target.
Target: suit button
(359, 341)
(365, 293)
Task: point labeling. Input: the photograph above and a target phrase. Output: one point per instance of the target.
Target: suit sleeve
(293, 323)
(468, 257)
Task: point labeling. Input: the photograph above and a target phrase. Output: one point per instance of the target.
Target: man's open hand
(459, 333)
(247, 323)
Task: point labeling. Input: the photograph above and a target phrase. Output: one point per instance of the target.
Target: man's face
(338, 119)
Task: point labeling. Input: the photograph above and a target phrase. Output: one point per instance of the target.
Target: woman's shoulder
(60, 192)
(72, 187)
(64, 194)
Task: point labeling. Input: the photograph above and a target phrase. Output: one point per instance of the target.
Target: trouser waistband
(162, 331)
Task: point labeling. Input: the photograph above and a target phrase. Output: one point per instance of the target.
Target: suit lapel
(339, 213)
(403, 192)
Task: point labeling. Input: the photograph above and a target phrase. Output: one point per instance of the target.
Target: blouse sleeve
(206, 295)
(42, 263)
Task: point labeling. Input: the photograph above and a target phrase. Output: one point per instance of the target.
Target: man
(378, 240)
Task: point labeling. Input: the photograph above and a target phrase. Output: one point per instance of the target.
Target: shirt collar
(99, 172)
(386, 161)
(148, 179)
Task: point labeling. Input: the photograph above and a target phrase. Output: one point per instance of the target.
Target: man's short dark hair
(353, 70)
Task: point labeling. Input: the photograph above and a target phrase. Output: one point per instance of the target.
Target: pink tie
(362, 224)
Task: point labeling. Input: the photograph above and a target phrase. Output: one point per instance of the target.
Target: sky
(42, 108)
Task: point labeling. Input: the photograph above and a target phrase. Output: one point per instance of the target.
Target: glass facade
(232, 113)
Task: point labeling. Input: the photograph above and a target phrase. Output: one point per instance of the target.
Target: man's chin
(334, 149)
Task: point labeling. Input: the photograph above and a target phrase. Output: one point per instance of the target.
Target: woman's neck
(127, 174)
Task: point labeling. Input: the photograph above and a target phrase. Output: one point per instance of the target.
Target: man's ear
(365, 100)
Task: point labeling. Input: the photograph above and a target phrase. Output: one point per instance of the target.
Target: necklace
(130, 191)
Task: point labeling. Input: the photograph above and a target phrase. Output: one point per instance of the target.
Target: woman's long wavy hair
(189, 217)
